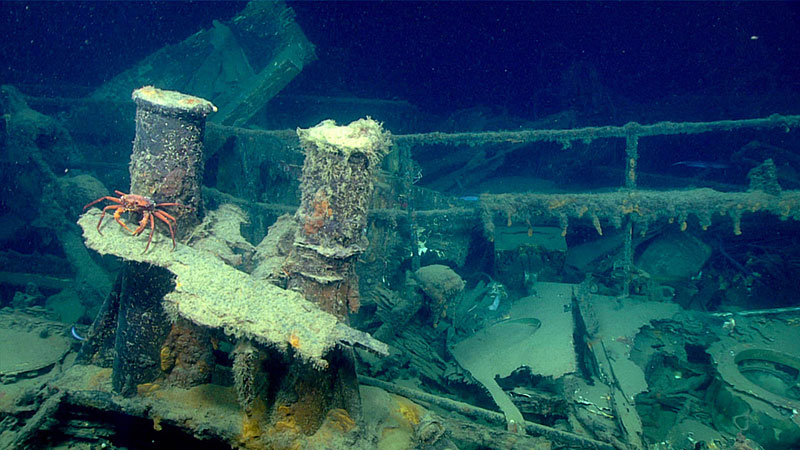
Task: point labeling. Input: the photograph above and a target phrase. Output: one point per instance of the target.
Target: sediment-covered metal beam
(643, 207)
(589, 134)
(213, 294)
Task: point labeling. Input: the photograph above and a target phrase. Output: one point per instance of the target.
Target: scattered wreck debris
(554, 314)
(239, 65)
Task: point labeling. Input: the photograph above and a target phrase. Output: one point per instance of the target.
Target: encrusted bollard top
(173, 100)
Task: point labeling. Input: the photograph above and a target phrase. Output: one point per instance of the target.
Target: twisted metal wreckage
(202, 294)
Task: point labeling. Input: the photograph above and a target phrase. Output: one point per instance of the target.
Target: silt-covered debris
(213, 294)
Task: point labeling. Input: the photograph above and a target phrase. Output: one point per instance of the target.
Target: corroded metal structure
(167, 164)
(630, 206)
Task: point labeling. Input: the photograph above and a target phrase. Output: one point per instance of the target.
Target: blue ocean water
(443, 55)
(656, 263)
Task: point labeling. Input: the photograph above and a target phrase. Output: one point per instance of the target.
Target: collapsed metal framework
(626, 207)
(629, 206)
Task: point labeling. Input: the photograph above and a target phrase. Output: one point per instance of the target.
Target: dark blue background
(442, 55)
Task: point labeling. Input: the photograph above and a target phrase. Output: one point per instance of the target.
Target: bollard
(166, 166)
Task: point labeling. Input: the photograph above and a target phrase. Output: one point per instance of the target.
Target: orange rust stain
(322, 211)
(294, 340)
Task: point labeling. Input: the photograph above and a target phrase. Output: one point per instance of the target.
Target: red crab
(138, 204)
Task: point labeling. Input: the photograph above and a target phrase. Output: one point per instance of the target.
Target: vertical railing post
(631, 160)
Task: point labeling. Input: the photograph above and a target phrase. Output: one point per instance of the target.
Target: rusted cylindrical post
(340, 165)
(339, 169)
(167, 167)
(167, 160)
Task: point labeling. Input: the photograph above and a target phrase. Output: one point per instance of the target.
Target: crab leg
(142, 224)
(160, 215)
(152, 230)
(164, 214)
(158, 205)
(103, 215)
(120, 210)
(107, 197)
